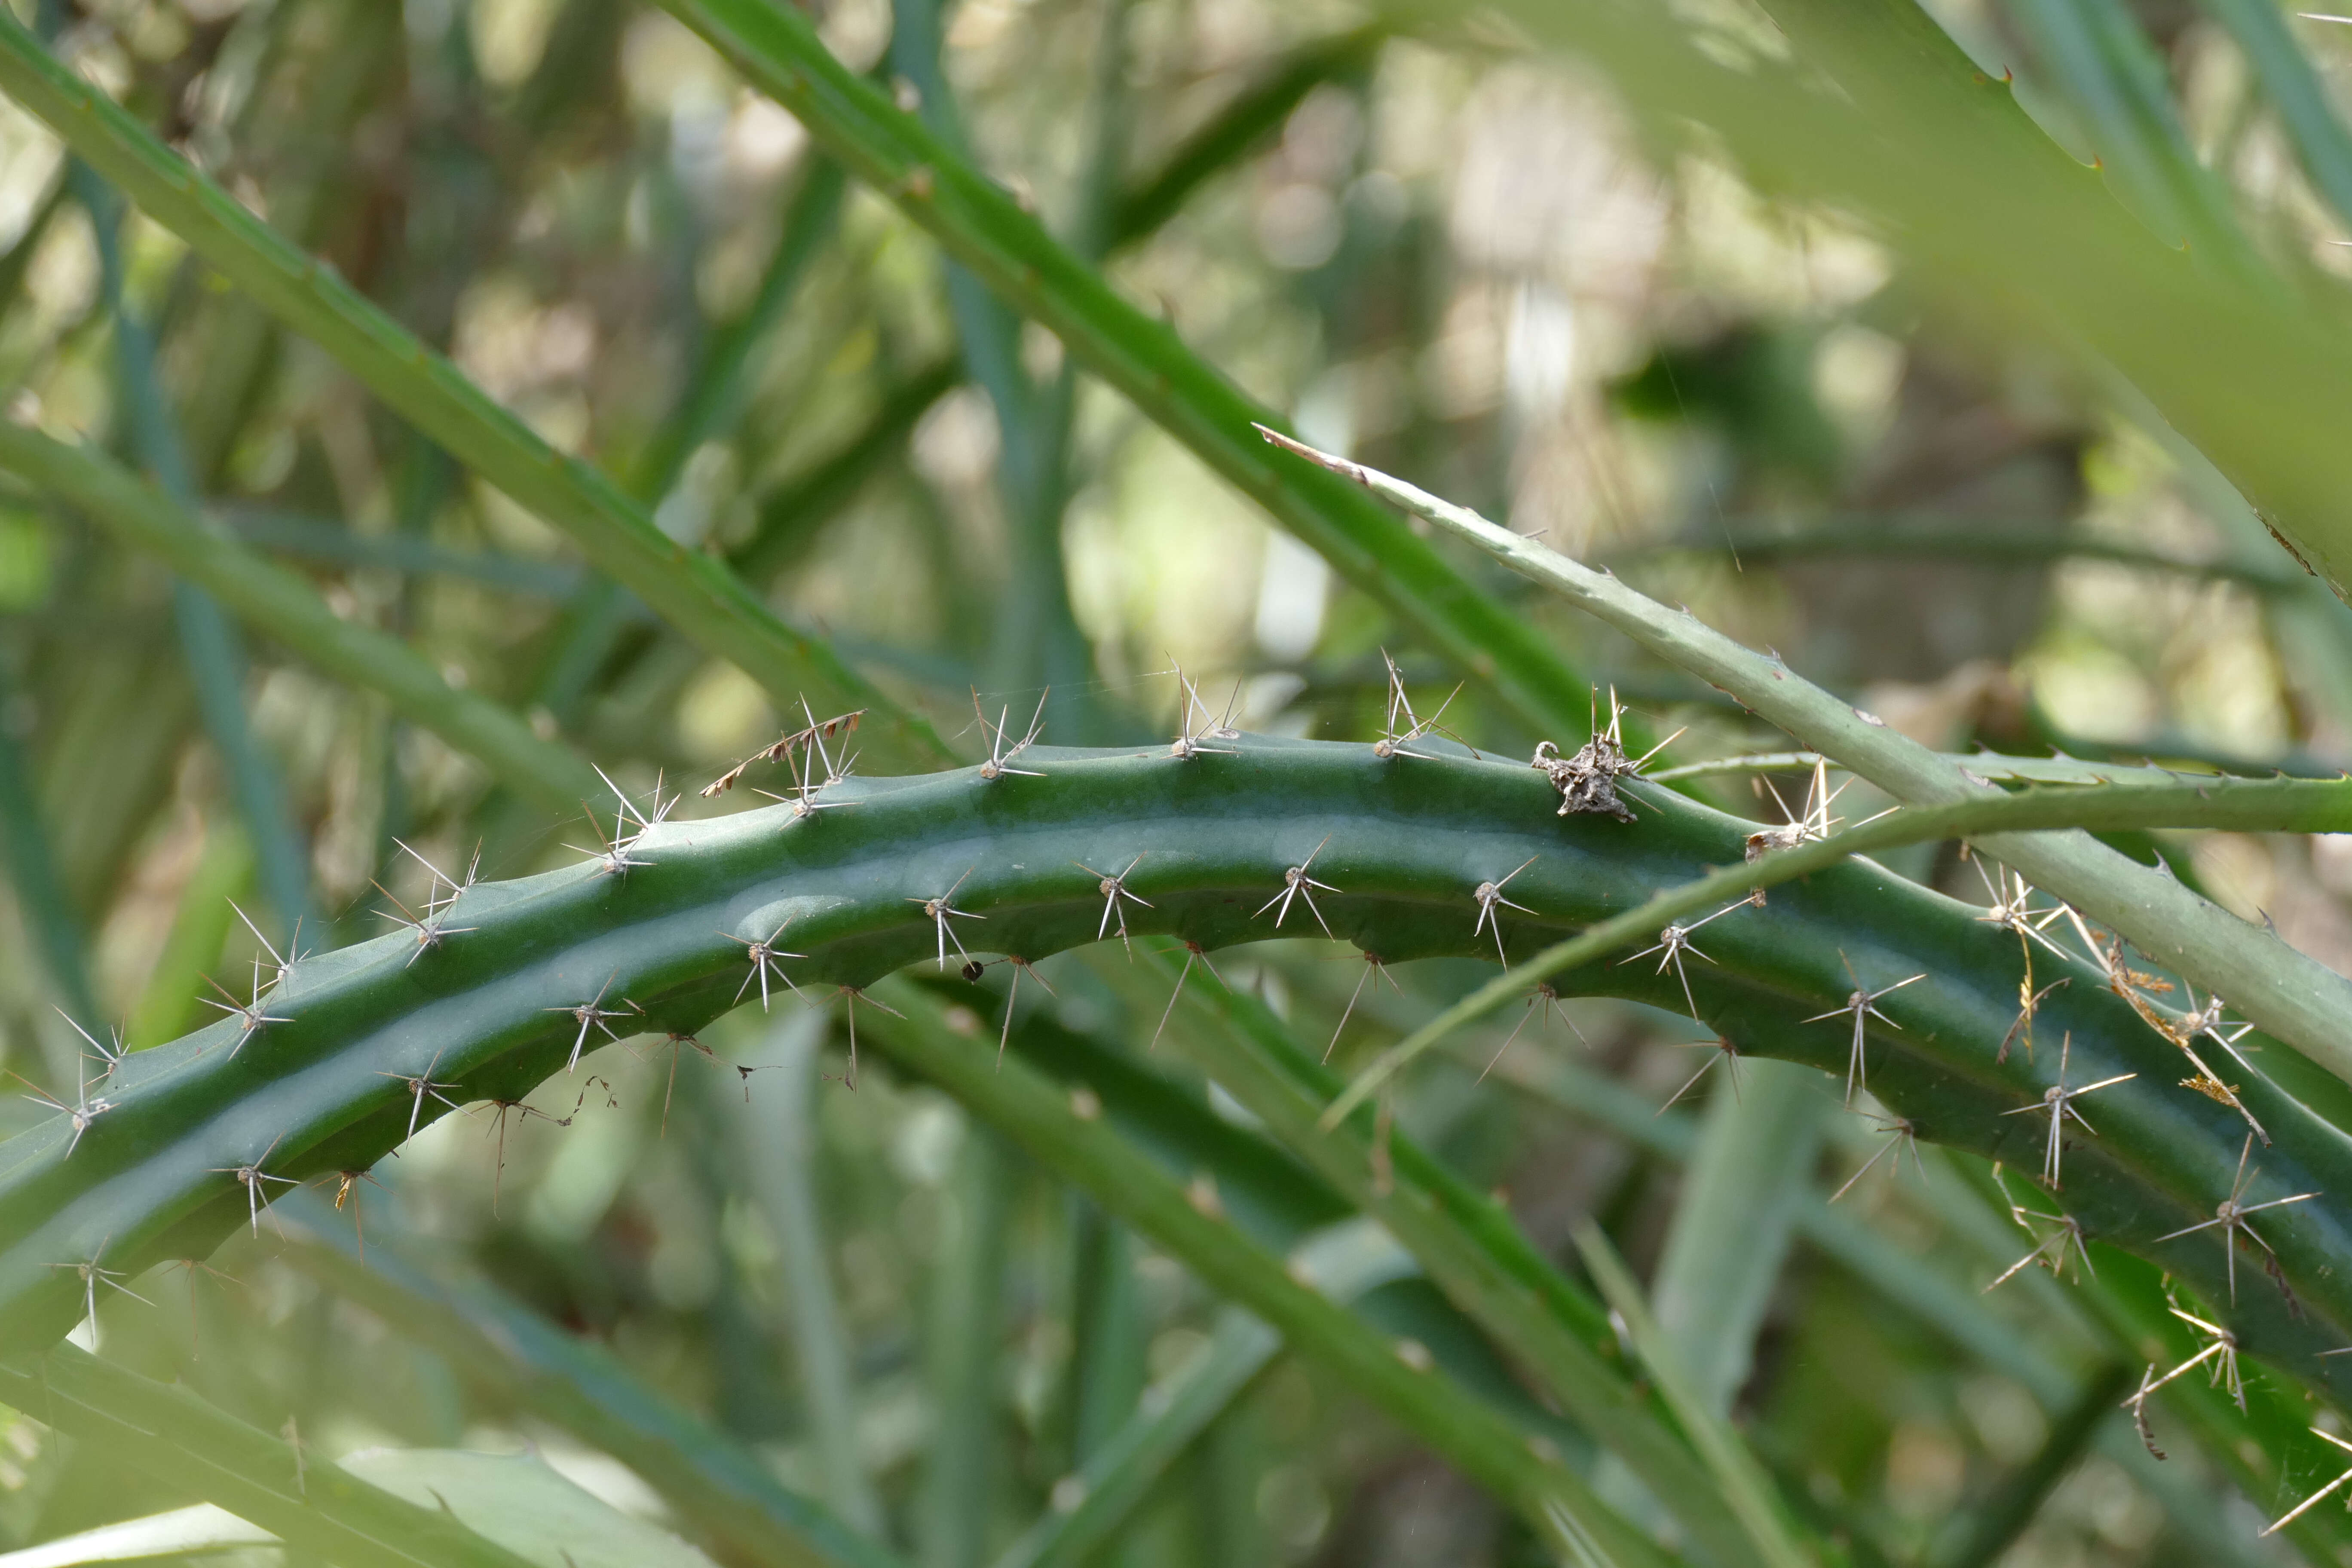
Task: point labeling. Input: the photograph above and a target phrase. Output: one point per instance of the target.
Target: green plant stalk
(690, 590)
(2112, 78)
(965, 1350)
(980, 227)
(720, 382)
(281, 604)
(315, 539)
(1280, 1205)
(216, 660)
(306, 1502)
(780, 1155)
(499, 1345)
(1745, 1486)
(1121, 1474)
(18, 259)
(1028, 1108)
(1731, 1227)
(1107, 1372)
(1557, 1335)
(789, 517)
(2291, 997)
(494, 1006)
(300, 166)
(48, 915)
(1992, 765)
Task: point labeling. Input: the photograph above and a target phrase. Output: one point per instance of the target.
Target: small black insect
(973, 971)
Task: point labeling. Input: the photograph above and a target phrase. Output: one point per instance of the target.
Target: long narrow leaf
(1744, 1485)
(300, 1497)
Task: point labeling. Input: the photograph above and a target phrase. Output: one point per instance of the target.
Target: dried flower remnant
(1588, 781)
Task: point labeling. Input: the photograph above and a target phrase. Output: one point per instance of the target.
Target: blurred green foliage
(712, 1289)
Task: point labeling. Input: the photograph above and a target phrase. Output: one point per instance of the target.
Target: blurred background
(1439, 254)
